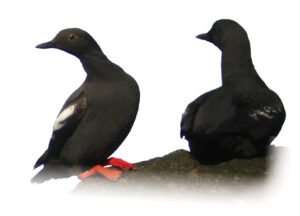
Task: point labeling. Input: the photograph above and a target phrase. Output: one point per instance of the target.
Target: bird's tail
(50, 171)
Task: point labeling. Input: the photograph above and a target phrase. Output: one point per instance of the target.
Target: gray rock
(179, 173)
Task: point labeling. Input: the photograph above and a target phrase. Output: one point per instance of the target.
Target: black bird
(95, 119)
(240, 118)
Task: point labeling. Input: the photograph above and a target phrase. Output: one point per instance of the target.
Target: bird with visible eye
(74, 41)
(95, 119)
(241, 117)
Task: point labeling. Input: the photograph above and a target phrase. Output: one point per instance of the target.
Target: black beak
(46, 45)
(204, 36)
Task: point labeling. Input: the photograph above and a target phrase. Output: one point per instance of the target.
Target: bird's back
(259, 111)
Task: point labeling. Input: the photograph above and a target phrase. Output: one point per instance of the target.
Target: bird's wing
(259, 112)
(65, 124)
(187, 119)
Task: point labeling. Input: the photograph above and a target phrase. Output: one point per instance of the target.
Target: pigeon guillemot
(95, 119)
(240, 118)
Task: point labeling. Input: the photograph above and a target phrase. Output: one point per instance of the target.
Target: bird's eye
(213, 30)
(71, 37)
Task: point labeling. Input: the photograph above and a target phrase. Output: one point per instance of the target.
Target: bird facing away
(95, 119)
(240, 118)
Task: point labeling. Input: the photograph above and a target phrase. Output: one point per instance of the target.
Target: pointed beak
(46, 45)
(203, 37)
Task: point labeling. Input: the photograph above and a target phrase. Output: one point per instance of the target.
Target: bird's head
(74, 41)
(225, 33)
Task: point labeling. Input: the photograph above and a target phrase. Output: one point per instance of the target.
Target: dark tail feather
(49, 172)
(43, 159)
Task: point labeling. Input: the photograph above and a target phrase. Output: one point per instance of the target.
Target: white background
(155, 42)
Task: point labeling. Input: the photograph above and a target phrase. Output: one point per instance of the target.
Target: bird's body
(97, 117)
(240, 118)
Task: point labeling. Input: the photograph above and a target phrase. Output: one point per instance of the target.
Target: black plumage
(96, 118)
(240, 118)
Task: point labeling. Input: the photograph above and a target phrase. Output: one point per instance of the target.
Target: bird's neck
(96, 65)
(237, 64)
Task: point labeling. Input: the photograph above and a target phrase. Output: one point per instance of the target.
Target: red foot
(109, 174)
(116, 162)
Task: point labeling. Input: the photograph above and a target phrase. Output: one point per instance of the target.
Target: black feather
(240, 118)
(104, 108)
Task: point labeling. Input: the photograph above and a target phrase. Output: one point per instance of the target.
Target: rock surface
(178, 172)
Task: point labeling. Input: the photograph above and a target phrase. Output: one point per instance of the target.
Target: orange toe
(117, 162)
(107, 173)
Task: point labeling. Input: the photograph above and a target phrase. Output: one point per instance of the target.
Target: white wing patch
(66, 113)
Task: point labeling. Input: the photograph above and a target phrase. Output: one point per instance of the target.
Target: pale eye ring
(71, 37)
